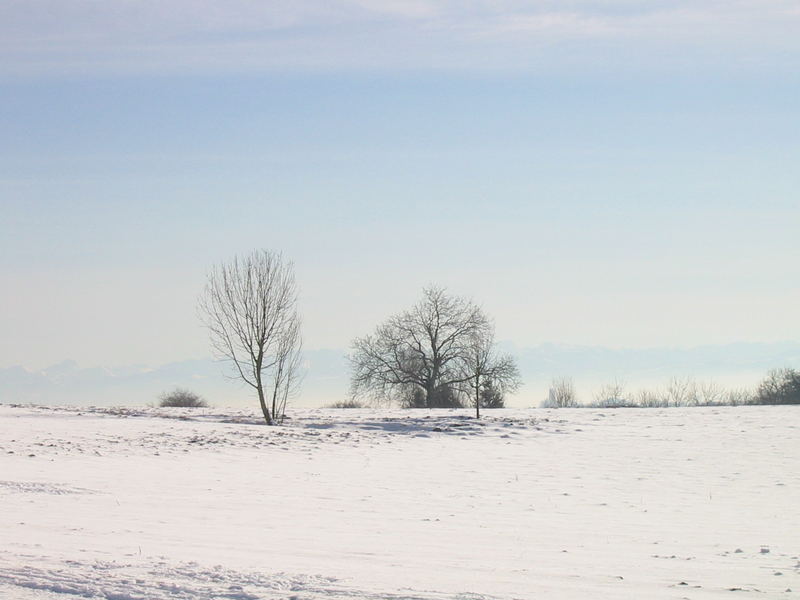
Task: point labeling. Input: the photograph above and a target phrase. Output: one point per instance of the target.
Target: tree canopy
(431, 355)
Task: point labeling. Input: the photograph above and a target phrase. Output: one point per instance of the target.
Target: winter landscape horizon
(326, 375)
(399, 300)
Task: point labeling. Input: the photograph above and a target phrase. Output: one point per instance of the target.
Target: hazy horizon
(326, 372)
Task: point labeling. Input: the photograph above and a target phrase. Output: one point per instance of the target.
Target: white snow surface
(156, 504)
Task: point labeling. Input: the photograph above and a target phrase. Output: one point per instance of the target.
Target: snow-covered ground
(369, 504)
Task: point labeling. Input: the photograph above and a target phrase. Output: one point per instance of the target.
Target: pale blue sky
(612, 173)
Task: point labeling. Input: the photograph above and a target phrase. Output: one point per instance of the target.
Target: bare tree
(770, 389)
(681, 392)
(562, 394)
(780, 386)
(492, 374)
(250, 308)
(708, 393)
(612, 395)
(421, 351)
(738, 397)
(650, 399)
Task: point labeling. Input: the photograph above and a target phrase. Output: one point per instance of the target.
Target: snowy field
(153, 504)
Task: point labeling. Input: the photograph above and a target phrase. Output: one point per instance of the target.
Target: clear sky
(615, 173)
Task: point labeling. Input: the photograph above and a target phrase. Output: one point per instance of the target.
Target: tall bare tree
(250, 308)
(427, 350)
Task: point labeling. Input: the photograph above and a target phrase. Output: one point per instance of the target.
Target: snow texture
(156, 504)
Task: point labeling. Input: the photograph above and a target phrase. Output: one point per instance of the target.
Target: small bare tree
(708, 393)
(738, 397)
(250, 308)
(562, 394)
(612, 395)
(650, 399)
(681, 392)
(491, 374)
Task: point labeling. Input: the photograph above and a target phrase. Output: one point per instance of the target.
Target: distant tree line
(779, 386)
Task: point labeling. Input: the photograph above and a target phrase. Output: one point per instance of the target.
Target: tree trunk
(430, 390)
(477, 398)
(262, 400)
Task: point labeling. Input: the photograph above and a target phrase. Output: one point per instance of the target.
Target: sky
(611, 173)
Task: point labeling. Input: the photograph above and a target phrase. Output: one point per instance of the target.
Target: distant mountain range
(548, 360)
(326, 378)
(68, 383)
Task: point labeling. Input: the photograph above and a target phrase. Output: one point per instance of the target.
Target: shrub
(612, 395)
(650, 399)
(681, 391)
(443, 396)
(561, 395)
(492, 396)
(346, 404)
(738, 397)
(181, 398)
(413, 397)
